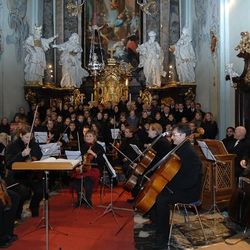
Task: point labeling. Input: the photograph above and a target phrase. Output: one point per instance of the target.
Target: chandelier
(74, 8)
(96, 62)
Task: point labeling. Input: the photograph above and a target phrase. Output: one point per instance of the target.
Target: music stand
(210, 157)
(76, 155)
(110, 207)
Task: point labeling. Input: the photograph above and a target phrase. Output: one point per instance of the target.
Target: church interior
(112, 110)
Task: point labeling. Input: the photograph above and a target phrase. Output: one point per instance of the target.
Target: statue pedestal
(178, 91)
(48, 92)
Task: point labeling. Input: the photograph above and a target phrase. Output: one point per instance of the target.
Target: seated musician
(93, 162)
(160, 145)
(9, 201)
(127, 150)
(26, 149)
(184, 187)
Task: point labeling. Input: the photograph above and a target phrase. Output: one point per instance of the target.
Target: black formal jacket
(188, 179)
(13, 153)
(242, 152)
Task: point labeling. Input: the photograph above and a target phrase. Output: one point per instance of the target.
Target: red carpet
(76, 223)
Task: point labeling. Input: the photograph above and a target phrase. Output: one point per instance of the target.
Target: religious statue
(70, 59)
(184, 57)
(151, 59)
(35, 61)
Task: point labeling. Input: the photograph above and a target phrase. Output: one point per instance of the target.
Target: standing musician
(184, 187)
(93, 162)
(24, 148)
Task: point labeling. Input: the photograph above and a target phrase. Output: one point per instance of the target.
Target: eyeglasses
(176, 134)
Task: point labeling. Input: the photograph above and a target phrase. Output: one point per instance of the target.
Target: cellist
(161, 147)
(184, 187)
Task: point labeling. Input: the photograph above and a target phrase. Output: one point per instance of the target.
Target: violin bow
(151, 145)
(32, 126)
(122, 153)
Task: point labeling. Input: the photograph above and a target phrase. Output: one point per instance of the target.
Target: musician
(160, 145)
(127, 150)
(26, 149)
(184, 187)
(93, 162)
(7, 218)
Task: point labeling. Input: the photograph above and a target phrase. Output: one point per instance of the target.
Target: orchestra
(163, 144)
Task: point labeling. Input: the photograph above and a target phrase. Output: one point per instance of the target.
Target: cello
(164, 172)
(148, 156)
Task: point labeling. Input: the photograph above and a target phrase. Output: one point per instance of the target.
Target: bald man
(240, 147)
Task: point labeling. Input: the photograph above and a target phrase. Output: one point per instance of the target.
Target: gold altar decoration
(244, 45)
(146, 97)
(112, 84)
(78, 98)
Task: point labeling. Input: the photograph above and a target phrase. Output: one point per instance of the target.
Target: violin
(4, 197)
(87, 159)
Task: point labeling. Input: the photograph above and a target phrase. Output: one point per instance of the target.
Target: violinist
(24, 148)
(184, 187)
(91, 169)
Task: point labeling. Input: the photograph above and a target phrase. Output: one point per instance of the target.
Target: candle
(129, 97)
(92, 97)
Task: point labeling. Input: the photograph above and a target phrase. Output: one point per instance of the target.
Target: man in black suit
(240, 147)
(184, 187)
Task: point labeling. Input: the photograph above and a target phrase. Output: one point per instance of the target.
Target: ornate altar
(224, 176)
(112, 83)
(49, 93)
(177, 91)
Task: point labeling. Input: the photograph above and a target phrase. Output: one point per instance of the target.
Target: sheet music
(206, 151)
(53, 159)
(65, 138)
(73, 155)
(115, 132)
(41, 137)
(110, 166)
(50, 149)
(136, 149)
